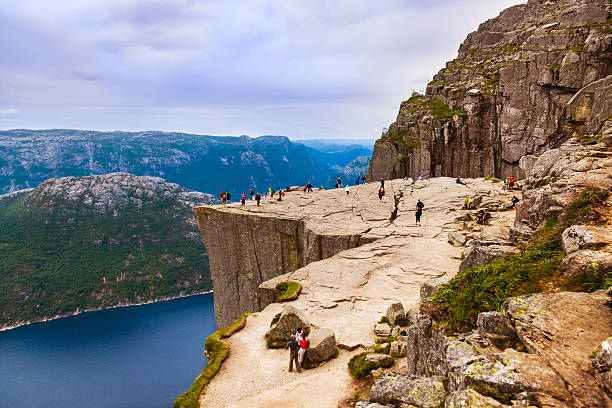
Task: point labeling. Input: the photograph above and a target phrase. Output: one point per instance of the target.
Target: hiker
(270, 192)
(511, 182)
(339, 182)
(243, 198)
(357, 181)
(362, 179)
(459, 181)
(222, 195)
(405, 178)
(309, 187)
(419, 211)
(251, 192)
(304, 343)
(515, 200)
(506, 184)
(384, 195)
(480, 219)
(227, 196)
(257, 198)
(280, 194)
(380, 195)
(467, 204)
(382, 183)
(420, 178)
(288, 188)
(347, 190)
(298, 334)
(293, 347)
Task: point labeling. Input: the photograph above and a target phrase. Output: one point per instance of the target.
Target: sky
(299, 68)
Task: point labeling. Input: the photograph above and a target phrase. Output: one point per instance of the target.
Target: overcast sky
(300, 68)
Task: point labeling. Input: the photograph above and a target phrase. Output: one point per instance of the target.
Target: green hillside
(81, 243)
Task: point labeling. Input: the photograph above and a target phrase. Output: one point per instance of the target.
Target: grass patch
(435, 106)
(493, 80)
(359, 368)
(536, 268)
(493, 179)
(578, 48)
(384, 348)
(218, 350)
(291, 290)
(275, 319)
(383, 320)
(386, 340)
(588, 139)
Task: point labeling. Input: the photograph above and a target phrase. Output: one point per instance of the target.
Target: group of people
(297, 345)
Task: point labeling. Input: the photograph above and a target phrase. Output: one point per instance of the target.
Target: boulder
(288, 323)
(428, 289)
(563, 329)
(456, 238)
(382, 330)
(471, 399)
(322, 346)
(396, 315)
(585, 237)
(398, 348)
(602, 361)
(398, 389)
(398, 331)
(498, 328)
(378, 358)
(585, 261)
(480, 255)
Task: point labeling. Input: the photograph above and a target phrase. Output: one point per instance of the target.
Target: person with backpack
(257, 198)
(419, 211)
(227, 196)
(222, 196)
(251, 192)
(304, 344)
(294, 347)
(309, 187)
(357, 181)
(243, 198)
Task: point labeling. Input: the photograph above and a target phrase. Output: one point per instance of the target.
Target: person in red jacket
(304, 343)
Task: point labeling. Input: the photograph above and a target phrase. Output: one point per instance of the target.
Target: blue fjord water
(130, 357)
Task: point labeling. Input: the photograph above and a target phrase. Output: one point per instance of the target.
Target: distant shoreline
(78, 312)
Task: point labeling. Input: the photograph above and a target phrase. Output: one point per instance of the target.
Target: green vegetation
(383, 348)
(275, 319)
(383, 320)
(554, 66)
(217, 350)
(384, 340)
(436, 107)
(493, 179)
(578, 48)
(58, 258)
(493, 80)
(291, 290)
(359, 368)
(536, 268)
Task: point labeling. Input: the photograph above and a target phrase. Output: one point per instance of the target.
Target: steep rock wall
(505, 96)
(246, 249)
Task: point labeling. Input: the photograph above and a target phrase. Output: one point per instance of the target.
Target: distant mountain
(202, 163)
(82, 243)
(347, 158)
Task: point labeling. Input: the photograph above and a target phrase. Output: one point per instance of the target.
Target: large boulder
(498, 328)
(379, 359)
(396, 315)
(403, 390)
(480, 255)
(289, 321)
(382, 330)
(585, 237)
(469, 398)
(602, 361)
(457, 238)
(322, 346)
(585, 262)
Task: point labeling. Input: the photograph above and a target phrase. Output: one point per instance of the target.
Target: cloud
(9, 112)
(312, 68)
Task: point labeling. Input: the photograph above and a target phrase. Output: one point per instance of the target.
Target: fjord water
(130, 357)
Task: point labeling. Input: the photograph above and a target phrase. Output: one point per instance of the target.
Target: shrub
(359, 368)
(291, 290)
(493, 179)
(218, 351)
(383, 348)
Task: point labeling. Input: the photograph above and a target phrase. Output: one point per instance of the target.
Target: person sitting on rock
(467, 204)
(294, 346)
(515, 200)
(459, 181)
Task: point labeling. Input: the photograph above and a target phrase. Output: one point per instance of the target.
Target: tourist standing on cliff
(251, 192)
(380, 195)
(384, 195)
(257, 198)
(227, 196)
(270, 192)
(294, 348)
(243, 198)
(222, 196)
(304, 343)
(357, 181)
(309, 187)
(382, 183)
(347, 190)
(419, 211)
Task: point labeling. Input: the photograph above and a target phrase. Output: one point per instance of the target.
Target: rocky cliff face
(81, 243)
(524, 82)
